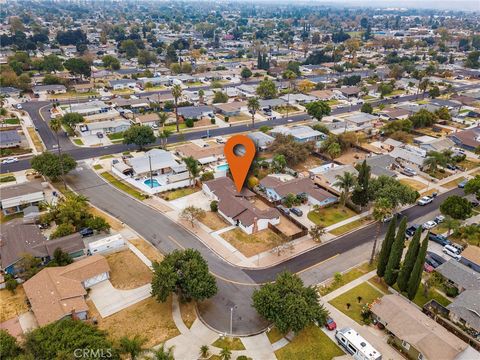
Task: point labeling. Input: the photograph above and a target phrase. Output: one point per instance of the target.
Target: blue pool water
(151, 183)
(223, 167)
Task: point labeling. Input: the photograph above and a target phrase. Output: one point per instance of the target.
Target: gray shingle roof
(467, 307)
(9, 136)
(460, 274)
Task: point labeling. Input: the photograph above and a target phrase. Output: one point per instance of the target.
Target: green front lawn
(420, 299)
(230, 343)
(122, 186)
(97, 167)
(367, 293)
(78, 141)
(347, 277)
(330, 215)
(176, 194)
(310, 344)
(12, 121)
(274, 335)
(115, 136)
(351, 226)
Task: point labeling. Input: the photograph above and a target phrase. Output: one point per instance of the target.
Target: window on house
(405, 345)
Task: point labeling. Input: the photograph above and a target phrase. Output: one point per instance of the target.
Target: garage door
(96, 279)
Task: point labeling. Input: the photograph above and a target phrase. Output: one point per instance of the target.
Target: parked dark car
(451, 167)
(86, 232)
(462, 184)
(440, 260)
(296, 211)
(439, 239)
(432, 262)
(283, 209)
(411, 230)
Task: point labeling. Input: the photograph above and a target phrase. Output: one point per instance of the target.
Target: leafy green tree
(361, 192)
(381, 210)
(266, 89)
(253, 106)
(293, 152)
(132, 346)
(192, 167)
(434, 92)
(316, 232)
(393, 265)
(423, 118)
(9, 348)
(345, 182)
(318, 109)
(50, 165)
(289, 292)
(139, 135)
(97, 223)
(52, 63)
(62, 230)
(146, 57)
(60, 258)
(367, 108)
(191, 214)
(184, 272)
(389, 188)
(129, 47)
(456, 207)
(72, 119)
(59, 340)
(386, 248)
(473, 186)
(78, 66)
(278, 163)
(472, 60)
(220, 97)
(409, 261)
(333, 150)
(111, 62)
(164, 354)
(416, 275)
(204, 352)
(245, 73)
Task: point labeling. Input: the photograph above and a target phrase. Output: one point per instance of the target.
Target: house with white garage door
(59, 292)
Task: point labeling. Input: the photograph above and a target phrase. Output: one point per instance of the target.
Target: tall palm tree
(225, 354)
(290, 76)
(132, 346)
(204, 352)
(381, 209)
(201, 96)
(176, 93)
(162, 118)
(253, 106)
(56, 125)
(434, 159)
(192, 167)
(345, 182)
(424, 86)
(163, 136)
(451, 224)
(164, 354)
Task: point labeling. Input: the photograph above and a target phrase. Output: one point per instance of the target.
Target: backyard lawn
(12, 304)
(367, 294)
(351, 226)
(310, 344)
(178, 193)
(228, 342)
(347, 277)
(122, 186)
(330, 215)
(153, 321)
(213, 221)
(414, 184)
(127, 271)
(250, 245)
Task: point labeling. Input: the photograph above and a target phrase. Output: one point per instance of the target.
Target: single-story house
(122, 84)
(150, 119)
(9, 91)
(17, 197)
(465, 309)
(394, 114)
(59, 292)
(298, 98)
(415, 333)
(467, 139)
(464, 99)
(300, 133)
(271, 103)
(104, 127)
(449, 104)
(48, 89)
(18, 238)
(381, 165)
(154, 81)
(9, 139)
(133, 104)
(323, 95)
(88, 108)
(471, 257)
(349, 91)
(158, 161)
(437, 144)
(83, 88)
(276, 190)
(236, 208)
(362, 120)
(328, 176)
(195, 112)
(231, 109)
(201, 151)
(409, 157)
(261, 140)
(459, 275)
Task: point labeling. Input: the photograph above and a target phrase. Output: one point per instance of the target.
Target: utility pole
(231, 321)
(151, 174)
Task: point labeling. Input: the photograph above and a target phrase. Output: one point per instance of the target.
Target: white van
(452, 251)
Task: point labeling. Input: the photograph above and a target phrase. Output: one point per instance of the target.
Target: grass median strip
(350, 226)
(122, 186)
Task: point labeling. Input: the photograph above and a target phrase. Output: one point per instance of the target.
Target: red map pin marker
(239, 163)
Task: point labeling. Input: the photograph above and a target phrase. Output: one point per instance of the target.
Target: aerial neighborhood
(124, 233)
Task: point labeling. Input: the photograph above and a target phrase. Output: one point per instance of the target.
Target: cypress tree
(395, 257)
(409, 261)
(259, 61)
(416, 276)
(386, 247)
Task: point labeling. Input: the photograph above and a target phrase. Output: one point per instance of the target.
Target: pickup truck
(411, 230)
(425, 200)
(439, 239)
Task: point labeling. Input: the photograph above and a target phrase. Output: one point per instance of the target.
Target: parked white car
(429, 225)
(452, 251)
(9, 160)
(424, 200)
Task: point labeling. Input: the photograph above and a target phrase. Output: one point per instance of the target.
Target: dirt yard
(214, 221)
(114, 223)
(414, 184)
(189, 314)
(287, 227)
(12, 305)
(309, 163)
(351, 157)
(127, 270)
(250, 245)
(153, 321)
(147, 249)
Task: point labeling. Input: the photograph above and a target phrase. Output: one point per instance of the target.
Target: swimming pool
(223, 167)
(151, 183)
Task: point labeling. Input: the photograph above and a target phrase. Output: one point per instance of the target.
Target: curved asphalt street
(235, 284)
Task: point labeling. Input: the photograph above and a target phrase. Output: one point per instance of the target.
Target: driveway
(109, 300)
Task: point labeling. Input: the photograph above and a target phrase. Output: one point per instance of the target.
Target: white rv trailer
(356, 345)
